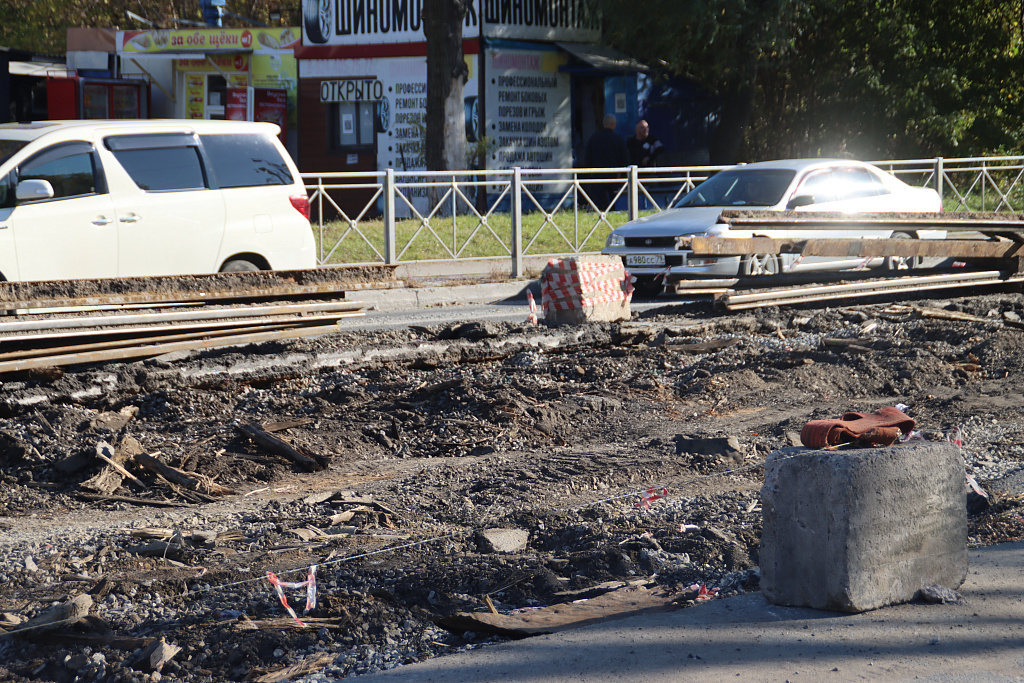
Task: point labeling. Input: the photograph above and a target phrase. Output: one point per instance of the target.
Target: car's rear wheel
(647, 286)
(757, 265)
(902, 262)
(239, 266)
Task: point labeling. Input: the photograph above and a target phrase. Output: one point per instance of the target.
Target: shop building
(200, 73)
(539, 84)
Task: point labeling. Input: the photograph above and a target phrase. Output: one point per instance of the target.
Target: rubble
(429, 436)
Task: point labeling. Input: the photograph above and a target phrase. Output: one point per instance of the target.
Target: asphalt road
(747, 639)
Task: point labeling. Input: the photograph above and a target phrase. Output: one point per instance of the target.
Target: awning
(163, 55)
(602, 58)
(38, 69)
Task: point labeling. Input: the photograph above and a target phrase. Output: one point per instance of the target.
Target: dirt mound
(629, 453)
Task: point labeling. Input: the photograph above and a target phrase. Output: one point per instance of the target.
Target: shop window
(353, 126)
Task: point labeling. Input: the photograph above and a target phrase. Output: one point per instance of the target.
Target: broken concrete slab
(857, 529)
(503, 540)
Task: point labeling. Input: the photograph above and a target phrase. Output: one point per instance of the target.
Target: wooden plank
(619, 604)
(281, 447)
(825, 220)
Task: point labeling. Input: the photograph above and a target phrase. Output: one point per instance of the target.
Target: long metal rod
(734, 302)
(98, 356)
(209, 287)
(175, 316)
(150, 332)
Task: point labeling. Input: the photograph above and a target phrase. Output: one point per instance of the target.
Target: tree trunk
(446, 75)
(737, 108)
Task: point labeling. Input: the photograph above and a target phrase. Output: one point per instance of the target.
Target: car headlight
(616, 240)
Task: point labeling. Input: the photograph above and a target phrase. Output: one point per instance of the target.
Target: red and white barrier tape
(650, 495)
(533, 309)
(309, 584)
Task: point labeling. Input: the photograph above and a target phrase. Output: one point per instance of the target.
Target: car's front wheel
(757, 265)
(902, 262)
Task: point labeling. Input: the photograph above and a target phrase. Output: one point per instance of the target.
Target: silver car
(648, 245)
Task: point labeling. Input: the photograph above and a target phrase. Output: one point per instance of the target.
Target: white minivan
(100, 199)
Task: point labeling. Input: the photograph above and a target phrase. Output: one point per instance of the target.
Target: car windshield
(740, 187)
(9, 147)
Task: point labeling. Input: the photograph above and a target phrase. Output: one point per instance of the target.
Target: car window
(70, 168)
(819, 184)
(854, 183)
(246, 160)
(740, 187)
(7, 184)
(160, 162)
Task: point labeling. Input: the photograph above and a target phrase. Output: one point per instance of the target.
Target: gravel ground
(606, 445)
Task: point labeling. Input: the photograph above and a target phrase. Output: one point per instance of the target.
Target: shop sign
(351, 91)
(362, 22)
(192, 40)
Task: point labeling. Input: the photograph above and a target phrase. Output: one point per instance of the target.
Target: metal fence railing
(393, 216)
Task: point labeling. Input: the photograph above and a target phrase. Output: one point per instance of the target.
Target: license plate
(645, 260)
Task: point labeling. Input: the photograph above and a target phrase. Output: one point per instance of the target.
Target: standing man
(644, 148)
(605, 149)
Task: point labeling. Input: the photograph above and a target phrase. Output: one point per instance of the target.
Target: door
(72, 234)
(169, 221)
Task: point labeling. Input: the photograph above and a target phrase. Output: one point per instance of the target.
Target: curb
(423, 297)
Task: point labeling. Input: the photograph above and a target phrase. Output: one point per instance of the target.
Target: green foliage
(41, 25)
(865, 78)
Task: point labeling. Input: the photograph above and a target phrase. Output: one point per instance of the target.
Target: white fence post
(389, 216)
(634, 193)
(516, 216)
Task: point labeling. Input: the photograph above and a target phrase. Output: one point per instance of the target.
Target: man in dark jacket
(605, 149)
(644, 148)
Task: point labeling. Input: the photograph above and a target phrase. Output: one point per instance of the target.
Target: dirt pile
(165, 490)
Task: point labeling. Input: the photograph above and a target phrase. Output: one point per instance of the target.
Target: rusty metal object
(743, 300)
(209, 287)
(96, 355)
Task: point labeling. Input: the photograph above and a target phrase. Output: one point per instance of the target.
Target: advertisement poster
(271, 105)
(528, 109)
(235, 108)
(195, 90)
(278, 71)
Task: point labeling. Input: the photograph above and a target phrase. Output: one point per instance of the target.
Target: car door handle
(134, 218)
(101, 220)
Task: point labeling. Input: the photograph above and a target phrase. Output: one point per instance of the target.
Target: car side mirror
(34, 190)
(800, 200)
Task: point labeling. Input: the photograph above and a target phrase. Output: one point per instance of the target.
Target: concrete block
(503, 540)
(857, 529)
(584, 289)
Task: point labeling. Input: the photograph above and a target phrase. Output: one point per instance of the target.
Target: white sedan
(648, 245)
